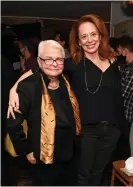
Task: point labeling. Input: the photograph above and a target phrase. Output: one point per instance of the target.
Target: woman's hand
(13, 103)
(30, 157)
(13, 96)
(22, 63)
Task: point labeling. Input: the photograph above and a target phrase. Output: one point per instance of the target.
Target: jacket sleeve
(21, 143)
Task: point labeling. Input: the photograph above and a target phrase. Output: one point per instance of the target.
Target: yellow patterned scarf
(48, 125)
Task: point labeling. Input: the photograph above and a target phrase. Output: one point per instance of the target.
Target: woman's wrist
(14, 88)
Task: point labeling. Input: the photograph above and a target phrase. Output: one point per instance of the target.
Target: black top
(106, 104)
(63, 109)
(62, 105)
(30, 97)
(65, 122)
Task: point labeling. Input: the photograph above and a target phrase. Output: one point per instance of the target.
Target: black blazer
(30, 96)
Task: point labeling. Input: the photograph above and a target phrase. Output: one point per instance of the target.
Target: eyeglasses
(50, 61)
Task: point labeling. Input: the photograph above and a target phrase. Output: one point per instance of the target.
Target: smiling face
(89, 38)
(47, 56)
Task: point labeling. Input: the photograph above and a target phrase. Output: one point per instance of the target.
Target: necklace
(86, 84)
(53, 87)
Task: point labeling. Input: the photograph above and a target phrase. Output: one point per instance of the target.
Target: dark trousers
(58, 174)
(96, 145)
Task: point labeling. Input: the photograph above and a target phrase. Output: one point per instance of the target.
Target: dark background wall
(58, 15)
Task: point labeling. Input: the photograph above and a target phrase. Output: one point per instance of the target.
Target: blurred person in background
(127, 86)
(35, 42)
(119, 48)
(27, 59)
(63, 41)
(8, 78)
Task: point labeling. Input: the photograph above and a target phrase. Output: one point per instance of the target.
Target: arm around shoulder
(15, 130)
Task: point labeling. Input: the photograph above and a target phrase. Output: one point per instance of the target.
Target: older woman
(51, 110)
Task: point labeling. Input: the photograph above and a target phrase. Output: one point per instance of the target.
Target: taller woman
(95, 78)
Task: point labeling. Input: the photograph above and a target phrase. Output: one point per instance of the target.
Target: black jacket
(30, 95)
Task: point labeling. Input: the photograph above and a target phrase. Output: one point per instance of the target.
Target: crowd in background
(24, 51)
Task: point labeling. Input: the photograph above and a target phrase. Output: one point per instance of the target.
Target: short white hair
(44, 44)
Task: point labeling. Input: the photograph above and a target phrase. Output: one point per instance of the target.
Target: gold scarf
(48, 125)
